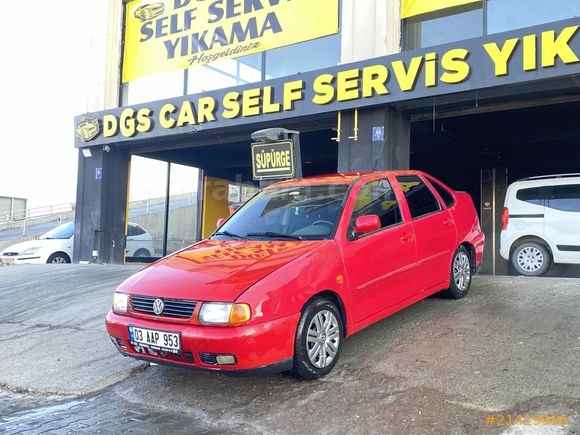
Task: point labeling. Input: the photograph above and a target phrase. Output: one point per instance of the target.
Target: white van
(541, 223)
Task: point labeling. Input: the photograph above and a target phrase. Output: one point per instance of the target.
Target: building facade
(477, 93)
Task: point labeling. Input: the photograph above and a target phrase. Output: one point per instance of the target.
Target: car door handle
(448, 222)
(407, 238)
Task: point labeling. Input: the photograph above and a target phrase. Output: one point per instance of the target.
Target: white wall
(370, 28)
(52, 61)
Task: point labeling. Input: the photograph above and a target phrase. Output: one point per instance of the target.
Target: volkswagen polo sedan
(297, 269)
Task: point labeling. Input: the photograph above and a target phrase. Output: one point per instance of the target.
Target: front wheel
(531, 259)
(461, 274)
(318, 339)
(58, 258)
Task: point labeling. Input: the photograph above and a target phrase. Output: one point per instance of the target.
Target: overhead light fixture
(272, 134)
(86, 152)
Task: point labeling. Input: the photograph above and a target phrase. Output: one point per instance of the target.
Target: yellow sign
(470, 64)
(273, 160)
(177, 34)
(410, 8)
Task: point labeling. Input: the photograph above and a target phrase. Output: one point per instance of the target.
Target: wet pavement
(508, 353)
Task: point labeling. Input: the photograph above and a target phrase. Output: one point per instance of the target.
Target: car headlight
(120, 303)
(221, 313)
(32, 250)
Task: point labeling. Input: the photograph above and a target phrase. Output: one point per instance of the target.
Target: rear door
(435, 234)
(562, 221)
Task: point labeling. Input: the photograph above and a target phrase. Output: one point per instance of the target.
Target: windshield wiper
(228, 234)
(273, 234)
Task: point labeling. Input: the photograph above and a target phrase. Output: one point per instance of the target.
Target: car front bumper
(22, 259)
(261, 348)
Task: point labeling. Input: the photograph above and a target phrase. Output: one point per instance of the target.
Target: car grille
(179, 308)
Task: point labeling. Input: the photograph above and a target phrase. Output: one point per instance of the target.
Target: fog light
(225, 360)
(219, 360)
(118, 342)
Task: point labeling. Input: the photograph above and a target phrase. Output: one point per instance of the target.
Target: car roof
(557, 180)
(553, 176)
(340, 178)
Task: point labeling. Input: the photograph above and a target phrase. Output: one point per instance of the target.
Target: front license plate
(7, 261)
(156, 340)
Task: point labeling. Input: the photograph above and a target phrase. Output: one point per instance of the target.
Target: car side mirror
(220, 222)
(367, 224)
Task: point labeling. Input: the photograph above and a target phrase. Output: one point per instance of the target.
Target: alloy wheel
(323, 339)
(461, 271)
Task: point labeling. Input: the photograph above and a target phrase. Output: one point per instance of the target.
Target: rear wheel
(58, 258)
(461, 274)
(531, 259)
(142, 252)
(318, 339)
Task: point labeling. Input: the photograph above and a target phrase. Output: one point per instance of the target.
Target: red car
(299, 267)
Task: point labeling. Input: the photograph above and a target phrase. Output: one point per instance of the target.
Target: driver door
(380, 265)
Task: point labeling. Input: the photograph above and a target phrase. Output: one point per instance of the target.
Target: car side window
(420, 199)
(378, 198)
(135, 230)
(565, 198)
(447, 198)
(533, 195)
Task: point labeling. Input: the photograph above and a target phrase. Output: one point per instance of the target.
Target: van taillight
(505, 217)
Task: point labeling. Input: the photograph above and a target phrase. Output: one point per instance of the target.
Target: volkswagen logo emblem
(158, 306)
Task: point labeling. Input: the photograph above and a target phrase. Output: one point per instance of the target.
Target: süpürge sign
(273, 160)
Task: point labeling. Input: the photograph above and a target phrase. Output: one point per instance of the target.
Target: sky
(52, 69)
(46, 66)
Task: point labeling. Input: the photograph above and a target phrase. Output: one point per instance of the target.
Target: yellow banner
(410, 8)
(176, 34)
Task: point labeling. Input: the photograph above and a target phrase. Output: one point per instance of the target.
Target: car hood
(215, 270)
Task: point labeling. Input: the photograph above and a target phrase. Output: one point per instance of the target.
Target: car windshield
(65, 231)
(288, 213)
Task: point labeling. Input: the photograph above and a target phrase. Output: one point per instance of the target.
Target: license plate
(6, 261)
(154, 339)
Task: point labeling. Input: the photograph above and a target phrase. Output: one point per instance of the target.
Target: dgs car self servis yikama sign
(175, 34)
(522, 56)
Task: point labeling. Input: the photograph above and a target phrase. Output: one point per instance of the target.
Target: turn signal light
(505, 217)
(240, 313)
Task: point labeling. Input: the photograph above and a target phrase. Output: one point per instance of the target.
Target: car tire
(320, 327)
(58, 258)
(142, 252)
(531, 259)
(461, 274)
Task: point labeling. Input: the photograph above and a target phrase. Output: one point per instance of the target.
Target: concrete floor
(511, 347)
